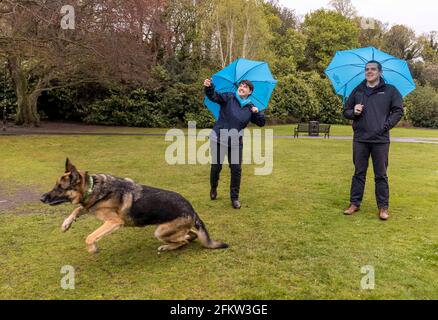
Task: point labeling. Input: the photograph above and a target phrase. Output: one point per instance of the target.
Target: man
(236, 111)
(375, 108)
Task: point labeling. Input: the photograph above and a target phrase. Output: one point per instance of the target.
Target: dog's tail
(204, 237)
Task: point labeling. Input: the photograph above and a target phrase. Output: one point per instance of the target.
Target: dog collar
(89, 190)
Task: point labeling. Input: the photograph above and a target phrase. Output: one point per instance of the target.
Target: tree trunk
(27, 113)
(218, 28)
(231, 42)
(246, 34)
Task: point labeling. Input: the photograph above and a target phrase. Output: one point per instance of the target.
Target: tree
(425, 69)
(239, 29)
(327, 32)
(344, 7)
(429, 45)
(285, 18)
(372, 32)
(186, 55)
(401, 41)
(431, 74)
(289, 52)
(112, 40)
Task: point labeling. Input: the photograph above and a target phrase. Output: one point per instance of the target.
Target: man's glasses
(371, 69)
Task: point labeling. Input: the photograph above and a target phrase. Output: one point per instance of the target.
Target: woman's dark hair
(248, 83)
(379, 65)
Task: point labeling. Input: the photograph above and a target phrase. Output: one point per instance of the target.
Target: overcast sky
(420, 15)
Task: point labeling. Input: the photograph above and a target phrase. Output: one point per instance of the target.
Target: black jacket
(383, 109)
(231, 114)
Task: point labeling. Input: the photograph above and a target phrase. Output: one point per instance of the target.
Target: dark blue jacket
(383, 109)
(231, 114)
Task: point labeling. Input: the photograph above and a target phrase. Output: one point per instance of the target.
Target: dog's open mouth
(53, 201)
(58, 201)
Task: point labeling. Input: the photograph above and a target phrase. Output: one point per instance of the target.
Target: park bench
(306, 128)
(302, 127)
(325, 128)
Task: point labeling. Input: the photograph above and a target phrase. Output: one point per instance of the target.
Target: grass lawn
(289, 241)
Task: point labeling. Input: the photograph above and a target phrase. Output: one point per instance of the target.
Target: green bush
(306, 97)
(422, 107)
(164, 107)
(132, 110)
(329, 104)
(71, 103)
(60, 104)
(293, 100)
(204, 118)
(299, 97)
(180, 98)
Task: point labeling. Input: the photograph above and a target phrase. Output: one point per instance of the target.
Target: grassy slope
(290, 240)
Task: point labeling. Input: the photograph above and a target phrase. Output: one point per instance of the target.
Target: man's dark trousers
(379, 155)
(234, 154)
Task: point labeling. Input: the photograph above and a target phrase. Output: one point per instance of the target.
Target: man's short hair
(248, 83)
(379, 65)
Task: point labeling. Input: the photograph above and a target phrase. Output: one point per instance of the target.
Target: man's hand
(254, 110)
(358, 108)
(207, 83)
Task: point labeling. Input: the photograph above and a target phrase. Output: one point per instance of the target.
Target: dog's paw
(92, 248)
(191, 236)
(163, 248)
(66, 225)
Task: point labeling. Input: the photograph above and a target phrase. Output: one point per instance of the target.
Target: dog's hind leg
(171, 246)
(174, 234)
(191, 236)
(107, 228)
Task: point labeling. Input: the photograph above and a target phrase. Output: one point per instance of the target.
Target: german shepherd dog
(121, 202)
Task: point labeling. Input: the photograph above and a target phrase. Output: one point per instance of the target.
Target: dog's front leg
(108, 227)
(72, 217)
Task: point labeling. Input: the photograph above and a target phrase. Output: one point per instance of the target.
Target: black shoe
(213, 194)
(236, 204)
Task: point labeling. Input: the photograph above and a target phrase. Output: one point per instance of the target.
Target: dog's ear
(69, 167)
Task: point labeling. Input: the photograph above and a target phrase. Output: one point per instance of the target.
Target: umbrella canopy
(228, 79)
(347, 70)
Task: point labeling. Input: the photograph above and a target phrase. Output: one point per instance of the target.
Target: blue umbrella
(347, 70)
(228, 79)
